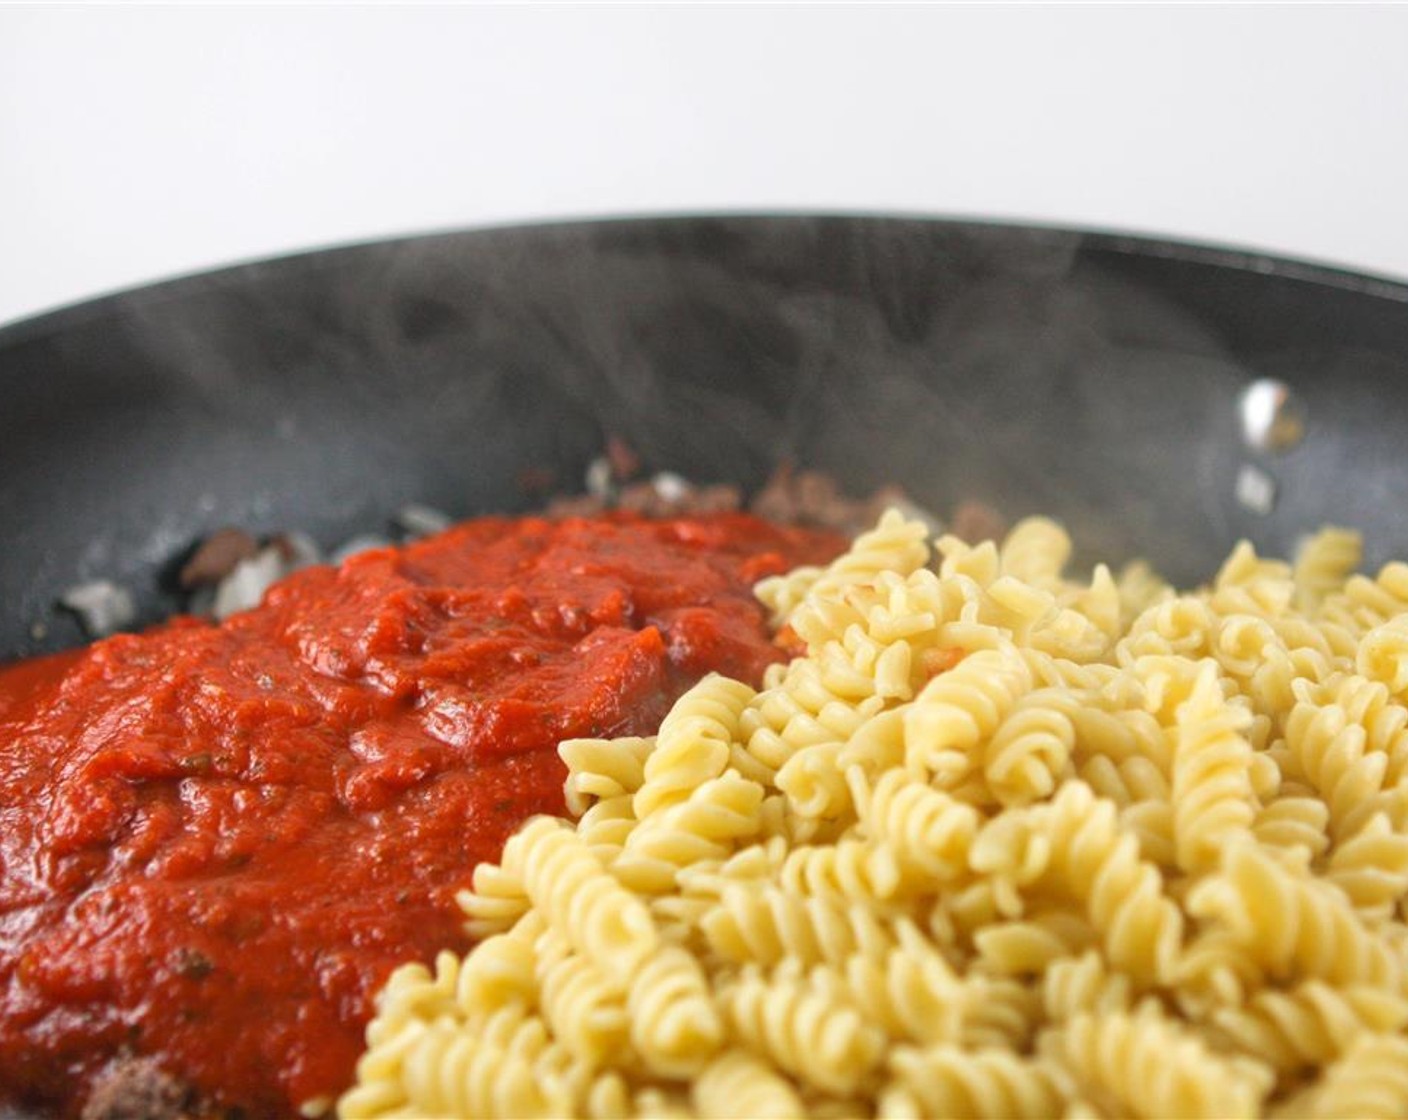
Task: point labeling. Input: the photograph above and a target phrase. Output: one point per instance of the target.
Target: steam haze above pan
(1094, 378)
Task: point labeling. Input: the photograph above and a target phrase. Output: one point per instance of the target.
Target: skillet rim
(312, 259)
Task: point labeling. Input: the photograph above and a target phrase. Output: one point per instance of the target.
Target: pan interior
(1091, 377)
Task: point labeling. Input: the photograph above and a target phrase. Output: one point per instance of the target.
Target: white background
(140, 142)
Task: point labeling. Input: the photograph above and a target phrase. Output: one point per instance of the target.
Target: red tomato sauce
(216, 841)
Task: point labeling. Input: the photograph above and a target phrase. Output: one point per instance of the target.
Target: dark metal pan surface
(1089, 376)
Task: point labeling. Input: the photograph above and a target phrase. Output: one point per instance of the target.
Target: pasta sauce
(217, 841)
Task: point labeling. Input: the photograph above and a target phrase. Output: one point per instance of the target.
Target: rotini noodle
(1370, 1080)
(1292, 925)
(1309, 1025)
(767, 925)
(948, 1081)
(585, 1008)
(959, 709)
(1084, 985)
(598, 769)
(675, 1025)
(1323, 562)
(579, 897)
(928, 831)
(738, 1083)
(1142, 1064)
(808, 1029)
(693, 744)
(1212, 793)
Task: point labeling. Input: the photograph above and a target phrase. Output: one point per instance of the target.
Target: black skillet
(1093, 377)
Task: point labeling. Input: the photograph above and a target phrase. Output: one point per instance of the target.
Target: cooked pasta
(1213, 801)
(987, 1084)
(1145, 1064)
(807, 1028)
(999, 843)
(584, 1006)
(693, 744)
(1310, 1025)
(760, 922)
(739, 1083)
(1370, 1080)
(676, 1027)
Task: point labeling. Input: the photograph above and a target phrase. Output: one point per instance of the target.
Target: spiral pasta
(497, 901)
(767, 925)
(909, 990)
(675, 1026)
(1310, 1025)
(1029, 753)
(809, 1030)
(1095, 864)
(1212, 798)
(927, 830)
(738, 1083)
(894, 545)
(693, 744)
(1383, 655)
(600, 769)
(960, 709)
(1084, 985)
(447, 1074)
(502, 972)
(585, 1007)
(1292, 925)
(1371, 1079)
(1371, 868)
(984, 1084)
(579, 897)
(1143, 1064)
(1325, 560)
(1001, 842)
(1330, 750)
(701, 828)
